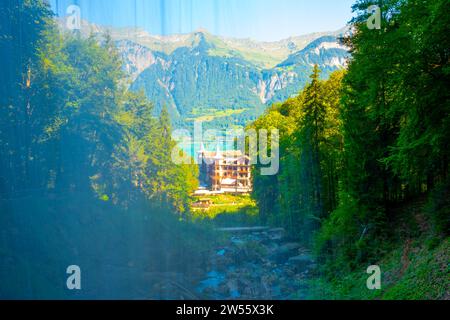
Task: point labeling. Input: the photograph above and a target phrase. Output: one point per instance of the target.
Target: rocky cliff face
(136, 58)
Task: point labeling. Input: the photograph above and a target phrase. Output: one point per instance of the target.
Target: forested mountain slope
(222, 81)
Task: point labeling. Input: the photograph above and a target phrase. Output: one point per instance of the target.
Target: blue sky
(257, 19)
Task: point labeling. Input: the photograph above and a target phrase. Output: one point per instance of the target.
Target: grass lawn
(226, 204)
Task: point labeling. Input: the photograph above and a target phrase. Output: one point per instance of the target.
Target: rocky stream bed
(256, 263)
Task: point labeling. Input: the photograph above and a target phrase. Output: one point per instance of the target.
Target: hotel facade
(224, 172)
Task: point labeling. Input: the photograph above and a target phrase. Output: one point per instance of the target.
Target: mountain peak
(325, 51)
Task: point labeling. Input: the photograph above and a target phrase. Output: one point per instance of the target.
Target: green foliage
(387, 153)
(394, 145)
(305, 190)
(422, 276)
(364, 143)
(227, 204)
(80, 129)
(422, 79)
(438, 209)
(84, 164)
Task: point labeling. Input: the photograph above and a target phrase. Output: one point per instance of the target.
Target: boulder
(275, 234)
(291, 246)
(302, 262)
(282, 253)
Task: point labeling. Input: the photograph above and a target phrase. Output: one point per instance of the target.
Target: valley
(353, 176)
(194, 78)
(203, 77)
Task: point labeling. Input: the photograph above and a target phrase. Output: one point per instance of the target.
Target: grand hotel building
(227, 171)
